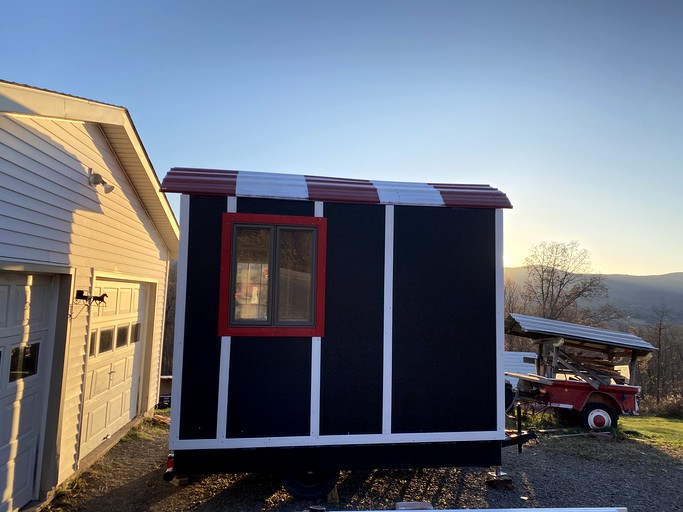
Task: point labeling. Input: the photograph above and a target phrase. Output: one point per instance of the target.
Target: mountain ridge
(638, 296)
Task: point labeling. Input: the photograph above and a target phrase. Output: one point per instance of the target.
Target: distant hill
(638, 296)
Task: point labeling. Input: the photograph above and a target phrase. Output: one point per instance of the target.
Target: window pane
(122, 336)
(23, 361)
(106, 340)
(93, 340)
(135, 335)
(252, 253)
(295, 275)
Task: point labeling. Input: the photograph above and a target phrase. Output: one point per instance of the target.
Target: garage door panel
(118, 376)
(97, 421)
(127, 404)
(19, 488)
(28, 302)
(130, 366)
(100, 381)
(116, 407)
(109, 308)
(38, 296)
(125, 304)
(18, 420)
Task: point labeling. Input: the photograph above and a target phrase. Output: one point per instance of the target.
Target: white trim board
(387, 363)
(336, 440)
(179, 342)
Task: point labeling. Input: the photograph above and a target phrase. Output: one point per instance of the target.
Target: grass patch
(653, 429)
(147, 429)
(163, 411)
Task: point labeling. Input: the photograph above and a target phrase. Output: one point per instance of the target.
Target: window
(106, 340)
(93, 341)
(135, 334)
(272, 275)
(23, 361)
(121, 336)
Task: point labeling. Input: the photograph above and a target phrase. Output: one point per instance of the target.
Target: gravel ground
(557, 471)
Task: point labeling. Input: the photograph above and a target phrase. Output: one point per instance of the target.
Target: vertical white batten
(179, 341)
(316, 357)
(232, 204)
(223, 379)
(500, 324)
(316, 351)
(388, 317)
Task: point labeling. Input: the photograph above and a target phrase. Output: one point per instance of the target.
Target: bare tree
(558, 276)
(663, 375)
(515, 302)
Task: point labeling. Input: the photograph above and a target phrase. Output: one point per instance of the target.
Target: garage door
(115, 355)
(25, 348)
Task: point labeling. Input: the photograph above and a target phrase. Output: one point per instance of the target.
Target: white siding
(49, 214)
(519, 362)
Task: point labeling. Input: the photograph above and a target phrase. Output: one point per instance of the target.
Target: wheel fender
(602, 398)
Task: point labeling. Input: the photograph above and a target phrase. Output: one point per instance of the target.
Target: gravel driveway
(557, 471)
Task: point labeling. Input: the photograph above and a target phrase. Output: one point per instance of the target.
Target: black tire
(310, 485)
(597, 416)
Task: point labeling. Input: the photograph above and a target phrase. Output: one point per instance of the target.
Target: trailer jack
(520, 437)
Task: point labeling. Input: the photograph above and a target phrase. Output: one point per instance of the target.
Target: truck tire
(598, 416)
(310, 485)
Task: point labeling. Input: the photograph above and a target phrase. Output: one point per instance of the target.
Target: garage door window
(93, 343)
(106, 340)
(121, 336)
(272, 275)
(24, 361)
(135, 334)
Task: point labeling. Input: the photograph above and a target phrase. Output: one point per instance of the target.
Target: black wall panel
(351, 382)
(444, 354)
(269, 393)
(275, 207)
(199, 394)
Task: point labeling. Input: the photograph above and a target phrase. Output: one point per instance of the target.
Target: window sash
(262, 285)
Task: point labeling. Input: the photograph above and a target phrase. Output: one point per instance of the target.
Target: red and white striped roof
(318, 188)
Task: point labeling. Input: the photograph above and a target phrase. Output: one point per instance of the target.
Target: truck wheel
(310, 485)
(597, 416)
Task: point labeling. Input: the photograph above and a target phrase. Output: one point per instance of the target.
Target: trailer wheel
(310, 485)
(597, 416)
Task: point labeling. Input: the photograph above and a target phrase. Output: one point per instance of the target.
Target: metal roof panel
(321, 188)
(538, 328)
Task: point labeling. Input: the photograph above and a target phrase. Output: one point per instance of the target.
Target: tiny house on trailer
(327, 324)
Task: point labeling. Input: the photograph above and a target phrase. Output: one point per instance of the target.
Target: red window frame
(224, 326)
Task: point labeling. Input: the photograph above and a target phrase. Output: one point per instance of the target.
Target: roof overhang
(542, 329)
(118, 127)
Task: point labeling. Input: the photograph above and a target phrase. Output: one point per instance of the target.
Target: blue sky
(573, 108)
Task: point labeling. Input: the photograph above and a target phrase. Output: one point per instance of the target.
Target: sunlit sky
(573, 108)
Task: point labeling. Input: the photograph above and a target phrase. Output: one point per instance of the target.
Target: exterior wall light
(96, 179)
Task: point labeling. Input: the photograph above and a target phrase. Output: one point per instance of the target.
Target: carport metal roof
(542, 328)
